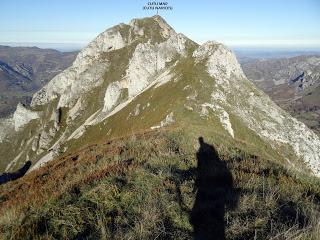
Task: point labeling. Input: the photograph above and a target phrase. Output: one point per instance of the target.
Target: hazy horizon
(289, 24)
(70, 47)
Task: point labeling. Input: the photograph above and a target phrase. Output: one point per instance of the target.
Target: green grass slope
(149, 186)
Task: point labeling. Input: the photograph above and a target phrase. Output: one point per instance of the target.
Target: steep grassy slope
(149, 185)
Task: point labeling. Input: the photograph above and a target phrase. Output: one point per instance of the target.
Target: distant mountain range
(293, 83)
(251, 54)
(24, 70)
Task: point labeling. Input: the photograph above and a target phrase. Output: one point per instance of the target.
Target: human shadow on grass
(7, 177)
(215, 193)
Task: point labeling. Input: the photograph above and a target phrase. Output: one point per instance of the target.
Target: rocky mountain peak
(150, 24)
(143, 75)
(221, 61)
(144, 32)
(167, 30)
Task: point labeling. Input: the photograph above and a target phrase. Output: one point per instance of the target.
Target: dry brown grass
(76, 169)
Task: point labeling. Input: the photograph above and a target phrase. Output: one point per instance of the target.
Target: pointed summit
(167, 29)
(150, 25)
(143, 75)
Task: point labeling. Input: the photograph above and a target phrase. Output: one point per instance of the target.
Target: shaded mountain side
(147, 186)
(24, 70)
(293, 83)
(15, 88)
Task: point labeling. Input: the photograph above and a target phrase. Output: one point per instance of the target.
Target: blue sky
(237, 23)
